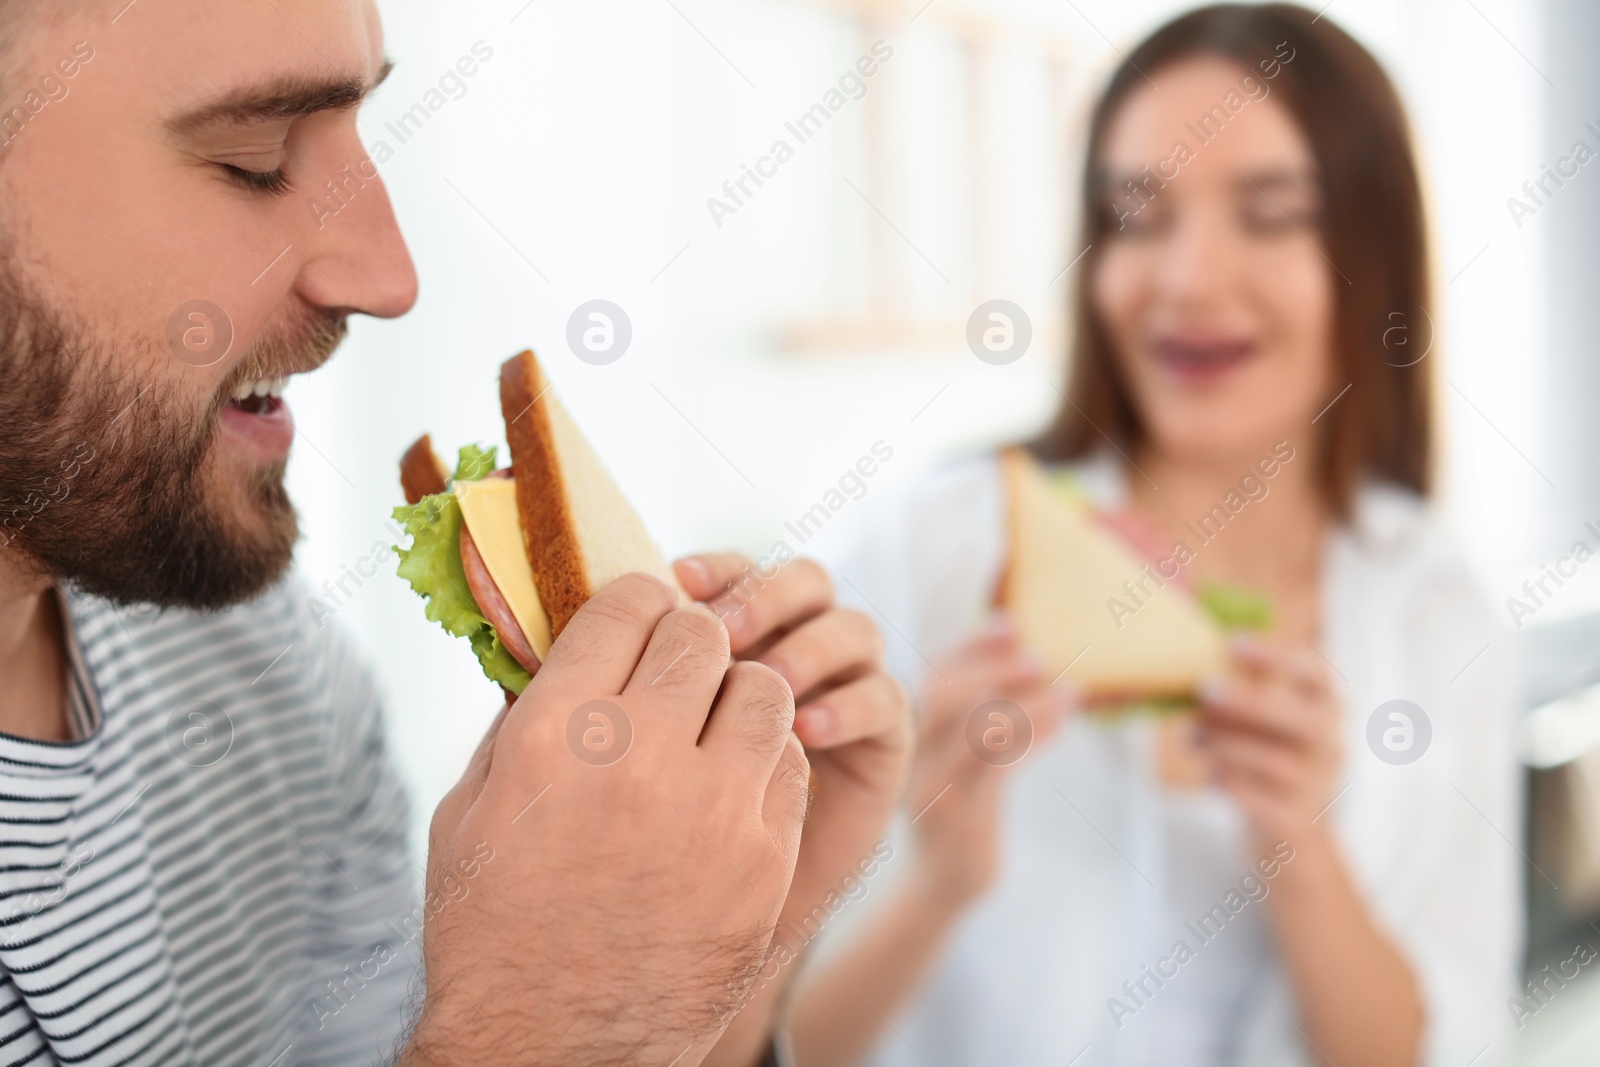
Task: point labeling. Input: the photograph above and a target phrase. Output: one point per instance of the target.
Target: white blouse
(1105, 870)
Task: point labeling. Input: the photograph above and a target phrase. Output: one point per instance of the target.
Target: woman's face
(1211, 286)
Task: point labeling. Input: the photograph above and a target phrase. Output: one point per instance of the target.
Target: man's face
(162, 270)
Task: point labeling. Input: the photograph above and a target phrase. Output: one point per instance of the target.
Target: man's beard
(104, 478)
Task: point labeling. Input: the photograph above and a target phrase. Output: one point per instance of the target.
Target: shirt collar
(84, 713)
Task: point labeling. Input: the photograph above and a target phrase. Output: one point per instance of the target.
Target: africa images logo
(1251, 888)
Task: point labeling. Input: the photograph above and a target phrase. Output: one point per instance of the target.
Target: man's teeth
(264, 387)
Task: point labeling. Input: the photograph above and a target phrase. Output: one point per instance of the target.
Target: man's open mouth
(259, 397)
(257, 419)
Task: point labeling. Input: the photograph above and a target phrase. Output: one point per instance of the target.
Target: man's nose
(358, 260)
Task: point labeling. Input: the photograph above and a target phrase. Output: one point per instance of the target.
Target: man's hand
(615, 857)
(856, 725)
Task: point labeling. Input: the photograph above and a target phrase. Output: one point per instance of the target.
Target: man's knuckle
(698, 632)
(793, 776)
(518, 742)
(766, 684)
(636, 595)
(606, 611)
(767, 705)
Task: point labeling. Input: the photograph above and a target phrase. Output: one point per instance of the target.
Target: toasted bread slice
(581, 532)
(422, 472)
(1063, 572)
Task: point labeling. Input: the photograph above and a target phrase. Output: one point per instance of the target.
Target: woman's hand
(953, 795)
(1272, 731)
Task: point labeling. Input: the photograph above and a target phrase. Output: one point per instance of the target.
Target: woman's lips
(1202, 360)
(260, 425)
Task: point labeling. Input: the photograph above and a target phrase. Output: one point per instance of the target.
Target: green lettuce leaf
(1235, 607)
(474, 462)
(1062, 480)
(432, 565)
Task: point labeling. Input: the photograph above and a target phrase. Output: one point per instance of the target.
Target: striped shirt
(216, 871)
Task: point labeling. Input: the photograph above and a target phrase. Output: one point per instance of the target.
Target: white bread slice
(1063, 569)
(579, 529)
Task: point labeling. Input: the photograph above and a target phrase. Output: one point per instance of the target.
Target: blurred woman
(1338, 884)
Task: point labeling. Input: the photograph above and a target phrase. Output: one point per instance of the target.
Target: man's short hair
(17, 17)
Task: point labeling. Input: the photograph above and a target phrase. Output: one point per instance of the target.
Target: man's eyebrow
(283, 98)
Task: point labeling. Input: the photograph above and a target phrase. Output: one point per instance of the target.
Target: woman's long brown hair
(1372, 230)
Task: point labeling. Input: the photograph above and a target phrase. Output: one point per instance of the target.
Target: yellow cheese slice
(490, 510)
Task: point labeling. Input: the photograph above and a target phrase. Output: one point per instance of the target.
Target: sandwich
(1106, 604)
(506, 556)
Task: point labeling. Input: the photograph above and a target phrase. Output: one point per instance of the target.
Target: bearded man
(202, 836)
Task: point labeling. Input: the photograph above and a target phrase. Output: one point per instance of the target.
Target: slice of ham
(493, 605)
